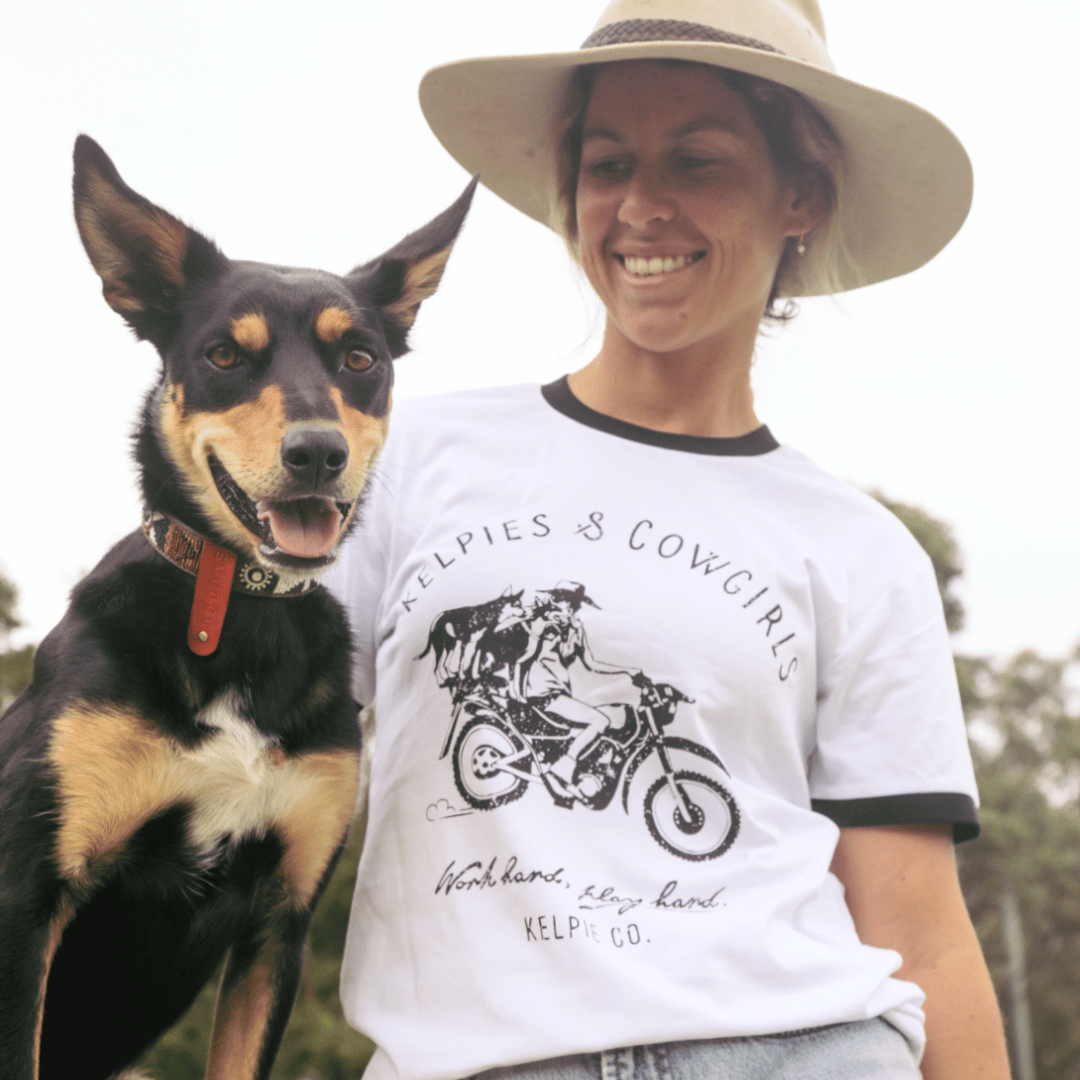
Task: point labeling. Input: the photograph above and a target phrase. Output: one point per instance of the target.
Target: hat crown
(793, 27)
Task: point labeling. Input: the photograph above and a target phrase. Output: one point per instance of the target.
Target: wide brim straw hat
(907, 179)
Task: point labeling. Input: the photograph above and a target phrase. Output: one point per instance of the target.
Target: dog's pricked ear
(401, 279)
(142, 254)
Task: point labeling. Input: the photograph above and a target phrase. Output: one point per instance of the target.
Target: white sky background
(291, 133)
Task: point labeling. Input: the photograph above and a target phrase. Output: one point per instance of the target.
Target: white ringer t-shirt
(757, 653)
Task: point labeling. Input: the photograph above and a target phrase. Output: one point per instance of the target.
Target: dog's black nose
(314, 454)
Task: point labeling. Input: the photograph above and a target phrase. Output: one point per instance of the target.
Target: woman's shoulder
(836, 509)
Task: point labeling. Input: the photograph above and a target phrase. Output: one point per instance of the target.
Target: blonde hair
(804, 150)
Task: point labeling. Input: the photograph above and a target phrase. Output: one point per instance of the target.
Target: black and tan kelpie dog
(176, 784)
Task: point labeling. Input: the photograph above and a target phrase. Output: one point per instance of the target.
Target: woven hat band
(629, 30)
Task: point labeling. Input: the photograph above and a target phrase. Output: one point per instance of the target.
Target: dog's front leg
(26, 956)
(256, 997)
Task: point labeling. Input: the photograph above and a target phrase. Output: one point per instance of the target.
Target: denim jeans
(864, 1050)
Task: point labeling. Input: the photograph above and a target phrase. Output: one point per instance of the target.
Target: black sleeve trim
(929, 808)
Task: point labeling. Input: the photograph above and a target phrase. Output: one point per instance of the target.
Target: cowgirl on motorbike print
(516, 722)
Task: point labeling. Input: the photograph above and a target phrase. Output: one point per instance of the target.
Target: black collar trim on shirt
(561, 398)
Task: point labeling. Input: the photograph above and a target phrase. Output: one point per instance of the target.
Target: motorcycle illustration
(502, 745)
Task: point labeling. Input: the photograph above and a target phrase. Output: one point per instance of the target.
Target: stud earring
(801, 248)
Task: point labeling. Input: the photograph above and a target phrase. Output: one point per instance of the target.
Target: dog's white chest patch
(237, 780)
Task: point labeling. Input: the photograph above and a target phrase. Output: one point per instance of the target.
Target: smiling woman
(744, 786)
(682, 218)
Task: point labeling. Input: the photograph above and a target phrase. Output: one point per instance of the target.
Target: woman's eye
(609, 169)
(689, 162)
(223, 356)
(358, 360)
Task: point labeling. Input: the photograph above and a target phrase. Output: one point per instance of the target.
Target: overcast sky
(291, 133)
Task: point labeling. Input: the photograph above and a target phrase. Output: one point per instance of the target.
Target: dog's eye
(358, 360)
(223, 356)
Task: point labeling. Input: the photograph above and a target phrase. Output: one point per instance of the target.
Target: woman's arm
(904, 894)
(600, 667)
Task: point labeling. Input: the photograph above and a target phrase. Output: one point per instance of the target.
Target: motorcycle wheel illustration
(478, 754)
(712, 825)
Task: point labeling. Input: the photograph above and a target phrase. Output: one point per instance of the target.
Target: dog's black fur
(161, 810)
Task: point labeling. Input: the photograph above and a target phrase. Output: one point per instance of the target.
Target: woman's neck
(699, 391)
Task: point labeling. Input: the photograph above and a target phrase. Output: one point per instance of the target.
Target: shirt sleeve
(891, 744)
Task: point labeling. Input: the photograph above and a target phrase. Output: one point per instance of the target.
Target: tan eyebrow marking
(331, 323)
(251, 332)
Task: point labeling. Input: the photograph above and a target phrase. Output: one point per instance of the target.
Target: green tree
(9, 598)
(1024, 721)
(16, 665)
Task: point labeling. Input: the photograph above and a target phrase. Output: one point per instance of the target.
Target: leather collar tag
(213, 583)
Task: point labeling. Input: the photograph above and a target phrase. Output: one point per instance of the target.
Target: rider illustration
(556, 641)
(516, 723)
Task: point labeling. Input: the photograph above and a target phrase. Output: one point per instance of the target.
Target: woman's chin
(666, 331)
(662, 336)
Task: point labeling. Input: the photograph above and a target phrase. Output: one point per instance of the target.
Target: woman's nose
(645, 201)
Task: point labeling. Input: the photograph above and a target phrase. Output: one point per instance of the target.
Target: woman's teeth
(656, 265)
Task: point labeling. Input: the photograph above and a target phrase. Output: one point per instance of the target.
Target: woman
(746, 869)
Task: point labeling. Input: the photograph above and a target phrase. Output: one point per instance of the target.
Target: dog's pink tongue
(307, 528)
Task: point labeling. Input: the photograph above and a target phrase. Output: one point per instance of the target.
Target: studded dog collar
(218, 573)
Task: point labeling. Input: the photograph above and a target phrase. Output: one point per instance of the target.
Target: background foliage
(15, 664)
(1024, 722)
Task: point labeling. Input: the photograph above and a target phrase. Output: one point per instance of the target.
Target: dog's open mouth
(303, 528)
(306, 528)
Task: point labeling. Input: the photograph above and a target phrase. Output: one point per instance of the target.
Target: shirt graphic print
(509, 663)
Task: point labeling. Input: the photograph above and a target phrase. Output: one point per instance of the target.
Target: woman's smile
(639, 266)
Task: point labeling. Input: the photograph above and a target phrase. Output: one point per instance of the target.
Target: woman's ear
(808, 205)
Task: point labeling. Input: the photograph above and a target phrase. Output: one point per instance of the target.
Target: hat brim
(907, 179)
